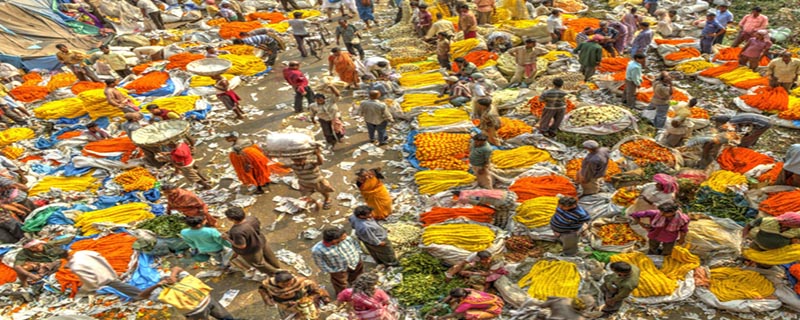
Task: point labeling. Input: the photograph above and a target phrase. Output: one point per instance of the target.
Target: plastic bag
(600, 129)
(293, 141)
(715, 240)
(510, 292)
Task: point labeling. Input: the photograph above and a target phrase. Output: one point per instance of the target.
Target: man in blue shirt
(724, 18)
(633, 79)
(642, 40)
(567, 222)
(710, 32)
(373, 236)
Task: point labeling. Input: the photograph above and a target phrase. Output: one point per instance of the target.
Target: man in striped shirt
(310, 178)
(554, 109)
(567, 222)
(339, 256)
(265, 42)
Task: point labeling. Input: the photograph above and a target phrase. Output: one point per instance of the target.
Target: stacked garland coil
(435, 181)
(537, 212)
(136, 179)
(442, 117)
(521, 157)
(78, 184)
(652, 282)
(721, 180)
(467, 236)
(552, 279)
(121, 214)
(728, 283)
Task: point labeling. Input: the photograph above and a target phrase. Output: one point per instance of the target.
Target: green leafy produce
(723, 205)
(421, 263)
(439, 309)
(687, 190)
(165, 226)
(653, 169)
(417, 289)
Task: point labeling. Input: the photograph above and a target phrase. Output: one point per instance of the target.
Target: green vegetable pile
(423, 280)
(165, 226)
(687, 190)
(723, 205)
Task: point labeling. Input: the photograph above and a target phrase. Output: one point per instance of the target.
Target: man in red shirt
(299, 83)
(181, 157)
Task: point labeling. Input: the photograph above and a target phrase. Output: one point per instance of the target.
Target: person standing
(593, 167)
(724, 18)
(365, 12)
(618, 285)
(633, 79)
(150, 10)
(94, 271)
(326, 112)
(489, 119)
(181, 157)
(525, 57)
(711, 31)
(339, 256)
(206, 241)
(555, 27)
(424, 22)
(749, 25)
(352, 39)
(783, 71)
(480, 154)
(310, 178)
(622, 38)
(756, 47)
(293, 294)
(190, 295)
(467, 22)
(631, 20)
(443, 50)
(249, 162)
(187, 203)
(666, 226)
(299, 31)
(590, 54)
(484, 9)
(114, 60)
(373, 236)
(74, 60)
(651, 6)
(567, 223)
(367, 300)
(297, 79)
(227, 96)
(377, 116)
(249, 243)
(664, 24)
(642, 41)
(662, 94)
(554, 109)
(345, 68)
(370, 184)
(609, 36)
(503, 203)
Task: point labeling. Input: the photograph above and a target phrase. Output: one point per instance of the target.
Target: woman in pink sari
(367, 301)
(473, 305)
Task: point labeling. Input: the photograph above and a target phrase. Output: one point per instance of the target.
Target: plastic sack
(453, 255)
(290, 143)
(599, 205)
(596, 241)
(510, 292)
(715, 240)
(600, 129)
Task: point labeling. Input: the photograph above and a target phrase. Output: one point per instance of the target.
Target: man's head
(644, 25)
(236, 214)
(111, 82)
(477, 76)
(34, 245)
(530, 43)
(238, 42)
(93, 127)
(668, 209)
(692, 102)
(480, 139)
(711, 16)
(673, 13)
(460, 61)
(333, 235)
(439, 16)
(633, 10)
(558, 83)
(319, 98)
(153, 108)
(62, 47)
(761, 34)
(233, 136)
(210, 49)
(555, 12)
(133, 116)
(588, 31)
(591, 145)
(567, 203)
(374, 94)
(335, 51)
(756, 11)
(622, 269)
(243, 34)
(382, 64)
(363, 212)
(484, 256)
(423, 6)
(297, 15)
(225, 5)
(604, 25)
(486, 102)
(343, 23)
(640, 58)
(283, 278)
(463, 8)
(168, 188)
(786, 56)
(664, 76)
(722, 7)
(195, 222)
(104, 49)
(294, 65)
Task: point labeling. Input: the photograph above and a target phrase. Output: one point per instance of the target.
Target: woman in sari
(293, 294)
(367, 301)
(345, 68)
(249, 162)
(473, 304)
(663, 190)
(376, 196)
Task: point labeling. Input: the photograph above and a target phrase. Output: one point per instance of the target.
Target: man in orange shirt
(749, 25)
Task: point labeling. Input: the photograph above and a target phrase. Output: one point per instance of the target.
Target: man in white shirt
(150, 10)
(555, 26)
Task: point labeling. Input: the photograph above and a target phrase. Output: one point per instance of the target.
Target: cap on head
(451, 79)
(477, 75)
(711, 14)
(591, 144)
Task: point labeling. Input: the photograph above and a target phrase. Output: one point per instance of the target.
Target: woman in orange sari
(374, 192)
(249, 162)
(345, 68)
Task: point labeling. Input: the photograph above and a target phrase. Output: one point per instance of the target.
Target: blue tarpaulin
(143, 277)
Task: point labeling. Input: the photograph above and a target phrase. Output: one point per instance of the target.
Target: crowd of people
(245, 246)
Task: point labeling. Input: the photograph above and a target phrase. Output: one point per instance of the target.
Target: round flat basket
(160, 133)
(209, 66)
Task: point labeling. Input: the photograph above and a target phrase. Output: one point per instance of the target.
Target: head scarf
(668, 183)
(789, 219)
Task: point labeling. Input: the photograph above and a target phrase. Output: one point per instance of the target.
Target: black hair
(330, 234)
(103, 46)
(484, 254)
(439, 15)
(235, 213)
(756, 9)
(243, 34)
(484, 101)
(110, 81)
(193, 221)
(91, 125)
(480, 137)
(620, 266)
(567, 201)
(460, 60)
(61, 45)
(151, 107)
(639, 56)
(283, 276)
(458, 293)
(238, 41)
(382, 64)
(319, 96)
(362, 211)
(668, 207)
(558, 82)
(298, 14)
(335, 50)
(692, 102)
(644, 24)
